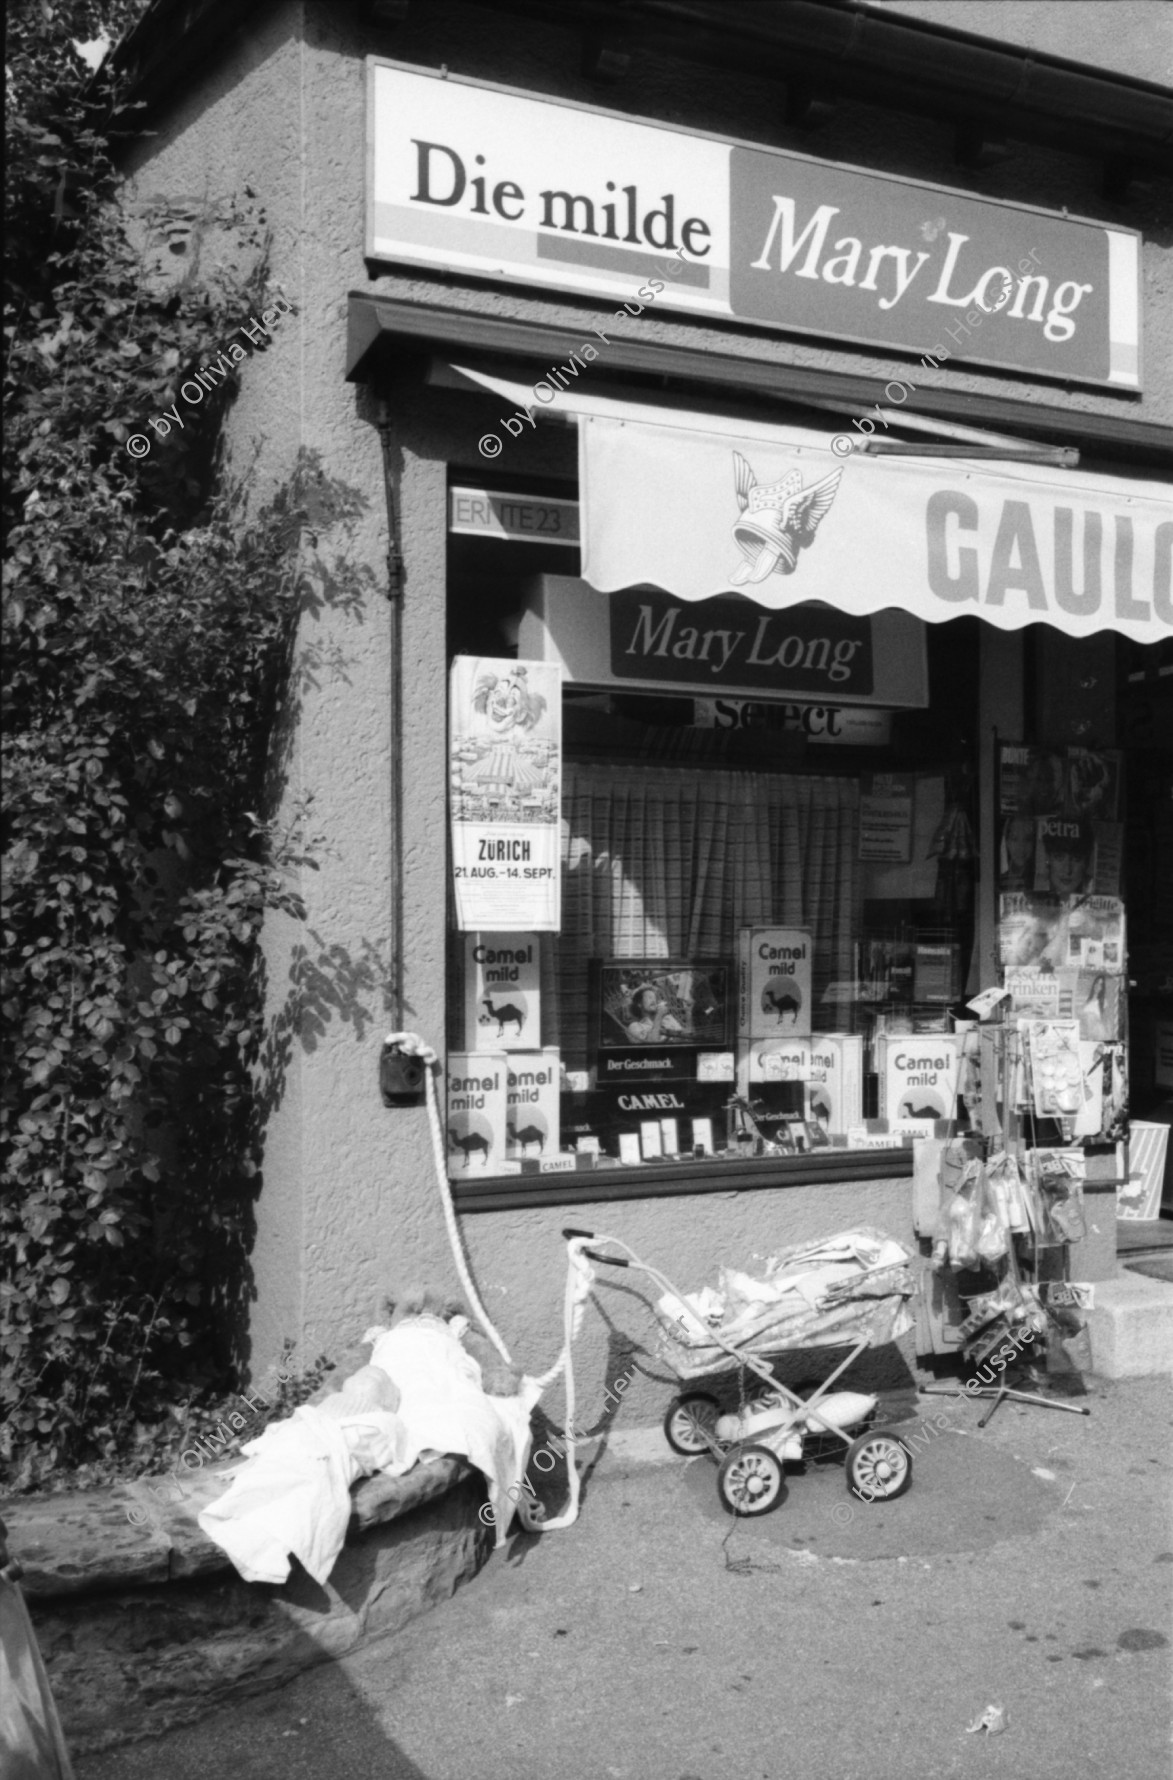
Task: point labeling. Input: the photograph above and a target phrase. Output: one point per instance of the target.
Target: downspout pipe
(404, 1061)
(395, 580)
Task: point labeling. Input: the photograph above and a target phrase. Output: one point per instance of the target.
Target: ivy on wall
(150, 613)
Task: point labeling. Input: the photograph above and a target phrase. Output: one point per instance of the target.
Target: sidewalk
(659, 1640)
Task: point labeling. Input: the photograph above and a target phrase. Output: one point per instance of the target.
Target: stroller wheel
(878, 1466)
(750, 1481)
(689, 1426)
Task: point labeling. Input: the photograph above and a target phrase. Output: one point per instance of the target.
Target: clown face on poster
(505, 772)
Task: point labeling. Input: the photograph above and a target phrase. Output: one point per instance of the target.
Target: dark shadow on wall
(322, 514)
(328, 985)
(332, 982)
(326, 982)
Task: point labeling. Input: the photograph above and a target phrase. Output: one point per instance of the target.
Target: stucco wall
(349, 1208)
(1133, 37)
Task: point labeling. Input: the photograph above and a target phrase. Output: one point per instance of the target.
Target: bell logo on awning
(777, 520)
(498, 184)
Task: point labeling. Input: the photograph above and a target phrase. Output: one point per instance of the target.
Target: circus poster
(505, 777)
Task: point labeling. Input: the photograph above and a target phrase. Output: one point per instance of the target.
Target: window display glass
(765, 927)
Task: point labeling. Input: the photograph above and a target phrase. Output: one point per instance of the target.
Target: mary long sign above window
(507, 184)
(811, 656)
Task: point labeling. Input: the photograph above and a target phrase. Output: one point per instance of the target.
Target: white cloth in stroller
(839, 1289)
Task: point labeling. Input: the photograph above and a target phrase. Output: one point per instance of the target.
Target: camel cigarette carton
(532, 1090)
(918, 1079)
(774, 982)
(772, 1060)
(833, 1094)
(475, 1127)
(828, 1065)
(502, 992)
(828, 1068)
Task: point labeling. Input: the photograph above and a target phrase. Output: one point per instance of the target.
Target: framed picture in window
(659, 1004)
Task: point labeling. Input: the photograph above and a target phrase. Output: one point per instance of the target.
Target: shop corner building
(896, 740)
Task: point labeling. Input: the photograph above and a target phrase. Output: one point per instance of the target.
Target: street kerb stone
(138, 1661)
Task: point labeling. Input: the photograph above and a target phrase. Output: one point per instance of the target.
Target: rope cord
(579, 1276)
(414, 1046)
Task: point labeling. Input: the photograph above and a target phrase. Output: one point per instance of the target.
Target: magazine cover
(1065, 855)
(1114, 1065)
(1035, 995)
(1096, 935)
(1082, 782)
(1095, 1001)
(1032, 931)
(1090, 996)
(505, 787)
(1058, 819)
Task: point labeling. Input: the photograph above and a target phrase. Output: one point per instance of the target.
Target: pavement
(1029, 1568)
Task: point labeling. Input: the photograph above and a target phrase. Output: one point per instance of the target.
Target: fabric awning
(699, 504)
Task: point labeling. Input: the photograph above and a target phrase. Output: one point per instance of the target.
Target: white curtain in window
(668, 862)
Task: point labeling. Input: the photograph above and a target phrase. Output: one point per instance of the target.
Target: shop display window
(752, 919)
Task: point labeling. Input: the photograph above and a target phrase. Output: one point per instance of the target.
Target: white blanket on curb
(293, 1493)
(445, 1409)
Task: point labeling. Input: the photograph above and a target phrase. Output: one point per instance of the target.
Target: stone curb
(131, 1662)
(146, 1532)
(144, 1624)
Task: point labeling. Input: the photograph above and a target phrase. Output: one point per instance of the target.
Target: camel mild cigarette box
(829, 1067)
(918, 1078)
(774, 982)
(773, 1060)
(475, 1128)
(532, 1090)
(502, 992)
(833, 1093)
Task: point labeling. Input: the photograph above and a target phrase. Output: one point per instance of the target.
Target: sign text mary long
(506, 184)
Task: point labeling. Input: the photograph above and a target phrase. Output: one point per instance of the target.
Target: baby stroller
(851, 1289)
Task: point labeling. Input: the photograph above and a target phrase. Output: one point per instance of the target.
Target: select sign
(852, 726)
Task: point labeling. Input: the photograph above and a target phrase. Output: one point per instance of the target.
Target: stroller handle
(593, 1254)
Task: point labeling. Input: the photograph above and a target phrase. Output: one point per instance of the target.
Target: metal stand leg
(999, 1398)
(1001, 1394)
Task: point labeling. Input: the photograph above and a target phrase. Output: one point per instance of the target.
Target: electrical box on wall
(401, 1076)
